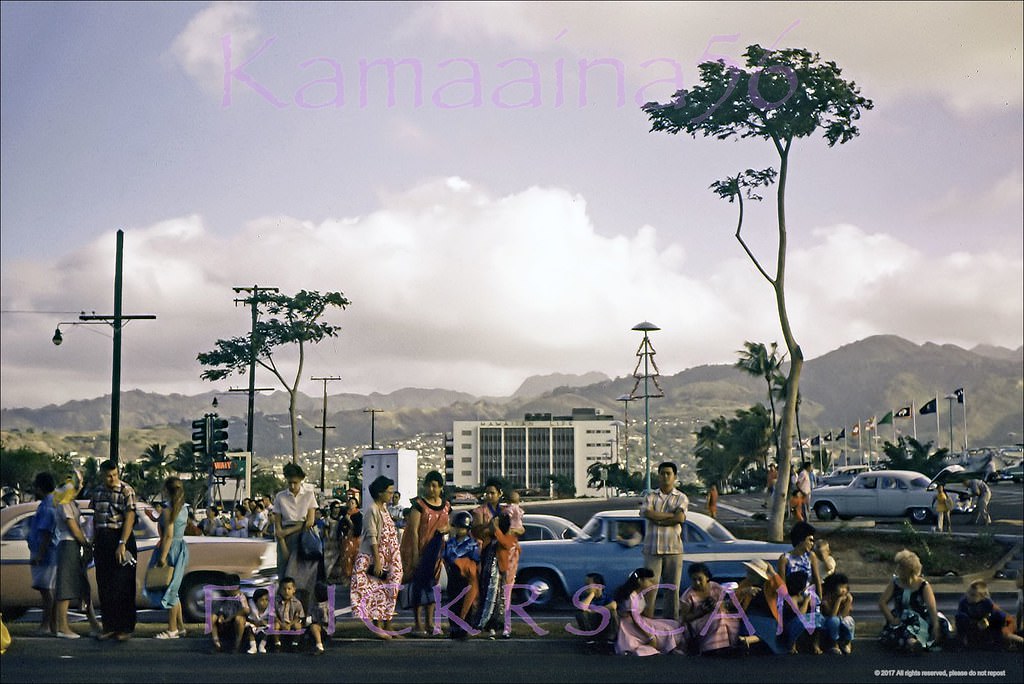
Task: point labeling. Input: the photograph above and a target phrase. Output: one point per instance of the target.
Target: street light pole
(646, 351)
(117, 322)
(323, 431)
(625, 399)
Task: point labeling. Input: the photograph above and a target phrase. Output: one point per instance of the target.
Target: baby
(828, 561)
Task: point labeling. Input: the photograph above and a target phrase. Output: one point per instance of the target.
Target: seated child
(257, 622)
(227, 621)
(289, 615)
(980, 623)
(321, 619)
(590, 620)
(462, 557)
(835, 621)
(795, 621)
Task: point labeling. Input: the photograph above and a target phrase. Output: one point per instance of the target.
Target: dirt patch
(863, 555)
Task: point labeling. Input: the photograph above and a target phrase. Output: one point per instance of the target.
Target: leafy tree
(779, 96)
(756, 360)
(19, 467)
(565, 488)
(725, 448)
(266, 482)
(910, 454)
(355, 474)
(714, 459)
(294, 320)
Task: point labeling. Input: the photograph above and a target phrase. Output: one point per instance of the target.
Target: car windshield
(591, 531)
(920, 482)
(717, 532)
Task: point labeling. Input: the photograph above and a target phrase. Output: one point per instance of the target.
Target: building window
(466, 473)
(467, 433)
(467, 459)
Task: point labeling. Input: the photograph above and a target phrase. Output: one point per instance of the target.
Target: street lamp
(645, 354)
(117, 321)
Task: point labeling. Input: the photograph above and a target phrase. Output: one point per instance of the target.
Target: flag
(869, 424)
(841, 435)
(805, 443)
(816, 440)
(930, 407)
(855, 430)
(959, 395)
(828, 437)
(902, 413)
(886, 419)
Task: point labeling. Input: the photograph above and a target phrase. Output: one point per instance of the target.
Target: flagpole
(913, 412)
(938, 429)
(963, 394)
(860, 442)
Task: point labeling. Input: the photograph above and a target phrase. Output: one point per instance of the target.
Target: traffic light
(218, 435)
(200, 435)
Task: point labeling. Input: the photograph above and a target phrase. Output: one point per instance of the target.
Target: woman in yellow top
(943, 506)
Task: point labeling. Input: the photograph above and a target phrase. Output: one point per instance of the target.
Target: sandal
(167, 634)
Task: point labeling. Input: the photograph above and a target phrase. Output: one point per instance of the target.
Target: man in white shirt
(665, 512)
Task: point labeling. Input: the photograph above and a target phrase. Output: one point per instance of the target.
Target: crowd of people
(392, 558)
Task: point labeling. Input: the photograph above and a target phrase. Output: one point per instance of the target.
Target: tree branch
(739, 226)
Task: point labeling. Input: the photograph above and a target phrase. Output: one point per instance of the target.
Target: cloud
(198, 49)
(453, 286)
(969, 54)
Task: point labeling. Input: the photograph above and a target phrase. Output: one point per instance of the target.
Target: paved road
(542, 659)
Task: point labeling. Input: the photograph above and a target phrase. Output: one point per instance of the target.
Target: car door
(860, 498)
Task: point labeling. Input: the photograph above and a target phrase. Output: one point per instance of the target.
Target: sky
(494, 213)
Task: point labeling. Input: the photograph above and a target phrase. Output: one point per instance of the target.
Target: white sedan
(886, 493)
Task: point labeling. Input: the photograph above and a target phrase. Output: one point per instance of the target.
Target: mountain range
(855, 382)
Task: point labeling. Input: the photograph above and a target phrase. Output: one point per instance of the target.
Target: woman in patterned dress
(377, 573)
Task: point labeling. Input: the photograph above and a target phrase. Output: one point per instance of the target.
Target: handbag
(310, 547)
(158, 577)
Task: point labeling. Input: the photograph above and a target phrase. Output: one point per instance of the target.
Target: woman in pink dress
(377, 573)
(424, 535)
(640, 635)
(698, 604)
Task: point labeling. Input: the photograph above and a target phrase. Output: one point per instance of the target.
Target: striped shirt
(110, 506)
(664, 539)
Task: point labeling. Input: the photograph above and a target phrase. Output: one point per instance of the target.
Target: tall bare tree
(293, 320)
(778, 96)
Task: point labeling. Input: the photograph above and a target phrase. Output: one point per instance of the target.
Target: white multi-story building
(525, 453)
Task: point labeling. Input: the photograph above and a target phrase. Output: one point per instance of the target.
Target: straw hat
(759, 567)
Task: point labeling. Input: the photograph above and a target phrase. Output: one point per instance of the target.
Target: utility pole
(323, 432)
(373, 424)
(253, 300)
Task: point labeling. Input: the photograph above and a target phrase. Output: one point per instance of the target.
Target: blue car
(610, 544)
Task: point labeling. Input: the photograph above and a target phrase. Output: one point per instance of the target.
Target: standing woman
(428, 524)
(72, 583)
(174, 552)
(377, 572)
(113, 503)
(294, 512)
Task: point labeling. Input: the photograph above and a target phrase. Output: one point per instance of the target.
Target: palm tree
(756, 360)
(154, 461)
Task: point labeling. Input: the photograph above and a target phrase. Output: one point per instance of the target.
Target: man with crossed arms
(665, 511)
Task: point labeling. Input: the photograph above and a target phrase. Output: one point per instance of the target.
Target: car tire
(193, 597)
(919, 516)
(544, 581)
(825, 511)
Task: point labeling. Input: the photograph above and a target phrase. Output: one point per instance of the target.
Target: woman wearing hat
(758, 596)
